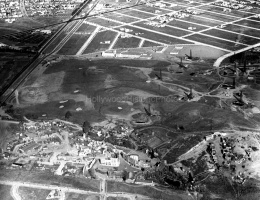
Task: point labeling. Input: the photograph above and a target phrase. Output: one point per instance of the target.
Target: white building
(112, 162)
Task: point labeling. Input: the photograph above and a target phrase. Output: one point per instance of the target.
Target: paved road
(14, 192)
(103, 193)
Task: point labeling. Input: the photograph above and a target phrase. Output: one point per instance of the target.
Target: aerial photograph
(130, 99)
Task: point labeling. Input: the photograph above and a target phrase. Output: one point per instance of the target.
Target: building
(109, 53)
(112, 162)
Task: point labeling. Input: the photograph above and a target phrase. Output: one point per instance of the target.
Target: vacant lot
(76, 196)
(244, 30)
(104, 22)
(99, 42)
(131, 42)
(233, 13)
(232, 36)
(218, 17)
(33, 193)
(215, 42)
(249, 23)
(136, 13)
(120, 18)
(5, 192)
(148, 191)
(168, 30)
(152, 9)
(73, 45)
(186, 25)
(86, 28)
(157, 36)
(202, 21)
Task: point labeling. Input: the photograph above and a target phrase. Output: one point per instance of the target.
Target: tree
(86, 126)
(68, 115)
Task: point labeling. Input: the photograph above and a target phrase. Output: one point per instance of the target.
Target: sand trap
(78, 109)
(120, 108)
(255, 110)
(76, 91)
(64, 101)
(61, 106)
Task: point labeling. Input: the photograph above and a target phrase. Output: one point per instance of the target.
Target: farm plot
(244, 30)
(131, 42)
(72, 46)
(86, 28)
(120, 18)
(104, 22)
(215, 42)
(232, 36)
(100, 42)
(166, 29)
(157, 37)
(186, 25)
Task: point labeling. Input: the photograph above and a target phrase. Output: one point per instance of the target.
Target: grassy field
(150, 44)
(152, 9)
(131, 42)
(156, 36)
(33, 193)
(232, 36)
(96, 44)
(166, 29)
(216, 42)
(117, 198)
(244, 22)
(5, 192)
(244, 30)
(86, 28)
(186, 25)
(234, 13)
(73, 45)
(104, 22)
(202, 21)
(96, 79)
(216, 16)
(76, 196)
(45, 177)
(58, 39)
(137, 14)
(145, 191)
(120, 18)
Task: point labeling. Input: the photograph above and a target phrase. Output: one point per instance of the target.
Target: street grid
(240, 30)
